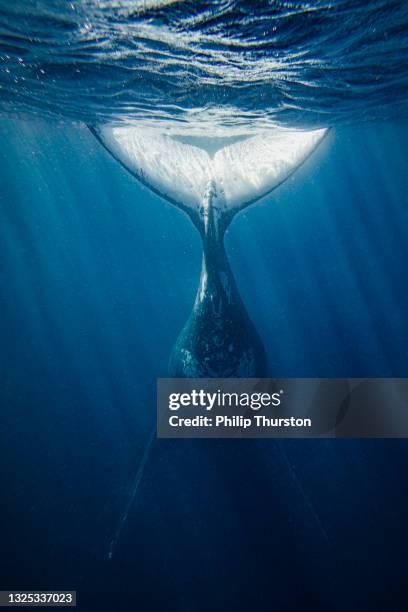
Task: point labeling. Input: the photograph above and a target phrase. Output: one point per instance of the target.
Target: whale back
(238, 174)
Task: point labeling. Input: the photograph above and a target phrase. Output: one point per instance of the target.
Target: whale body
(212, 180)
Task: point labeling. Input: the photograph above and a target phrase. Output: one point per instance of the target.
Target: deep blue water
(97, 276)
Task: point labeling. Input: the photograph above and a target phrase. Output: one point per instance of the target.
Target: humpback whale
(211, 180)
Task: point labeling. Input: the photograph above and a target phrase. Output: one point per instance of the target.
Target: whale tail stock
(212, 180)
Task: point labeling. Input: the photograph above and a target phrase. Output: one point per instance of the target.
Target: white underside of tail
(239, 173)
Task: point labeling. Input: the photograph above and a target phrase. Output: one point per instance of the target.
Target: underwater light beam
(212, 183)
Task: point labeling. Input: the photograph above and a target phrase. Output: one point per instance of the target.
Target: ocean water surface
(225, 63)
(98, 275)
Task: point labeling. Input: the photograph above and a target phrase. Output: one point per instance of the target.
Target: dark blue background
(97, 276)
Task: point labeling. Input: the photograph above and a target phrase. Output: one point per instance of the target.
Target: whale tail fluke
(184, 170)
